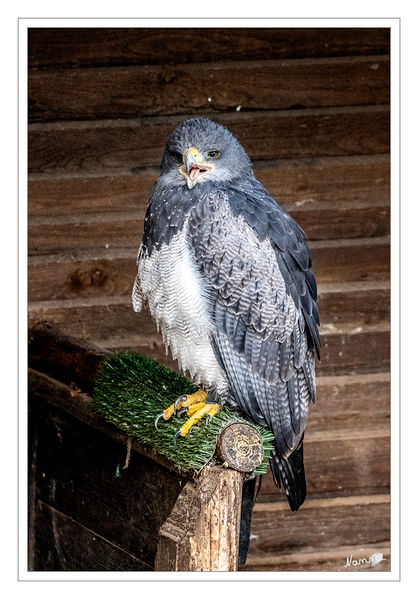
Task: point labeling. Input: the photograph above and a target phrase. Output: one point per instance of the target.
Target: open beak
(193, 167)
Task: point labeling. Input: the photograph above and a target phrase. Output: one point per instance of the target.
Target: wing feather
(262, 296)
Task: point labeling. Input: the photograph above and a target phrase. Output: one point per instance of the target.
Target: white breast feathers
(172, 287)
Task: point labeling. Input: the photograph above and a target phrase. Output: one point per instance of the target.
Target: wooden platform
(103, 499)
(311, 108)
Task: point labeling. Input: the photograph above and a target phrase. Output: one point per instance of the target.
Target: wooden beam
(341, 465)
(109, 272)
(64, 47)
(66, 359)
(355, 348)
(107, 146)
(364, 303)
(129, 92)
(295, 183)
(351, 348)
(206, 517)
(333, 560)
(59, 539)
(352, 521)
(122, 230)
(79, 405)
(202, 531)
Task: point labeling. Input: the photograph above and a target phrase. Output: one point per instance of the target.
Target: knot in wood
(241, 447)
(83, 280)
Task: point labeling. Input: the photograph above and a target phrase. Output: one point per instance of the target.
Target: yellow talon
(208, 408)
(196, 407)
(192, 399)
(168, 412)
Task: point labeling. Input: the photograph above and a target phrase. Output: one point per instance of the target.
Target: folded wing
(262, 296)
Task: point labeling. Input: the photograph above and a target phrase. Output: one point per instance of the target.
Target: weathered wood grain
(350, 349)
(360, 402)
(240, 447)
(361, 303)
(343, 351)
(119, 231)
(354, 348)
(348, 464)
(100, 146)
(89, 182)
(72, 361)
(349, 221)
(50, 196)
(339, 461)
(80, 318)
(129, 92)
(71, 47)
(202, 531)
(342, 463)
(356, 402)
(321, 524)
(77, 468)
(112, 272)
(351, 260)
(62, 544)
(334, 560)
(334, 179)
(124, 230)
(295, 183)
(366, 302)
(54, 354)
(73, 401)
(64, 276)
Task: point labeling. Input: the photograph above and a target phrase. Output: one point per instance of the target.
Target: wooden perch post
(202, 531)
(88, 513)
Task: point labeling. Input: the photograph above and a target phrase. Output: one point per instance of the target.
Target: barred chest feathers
(169, 283)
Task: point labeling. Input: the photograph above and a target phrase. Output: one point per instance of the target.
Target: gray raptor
(227, 276)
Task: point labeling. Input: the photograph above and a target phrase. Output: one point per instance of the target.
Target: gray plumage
(227, 276)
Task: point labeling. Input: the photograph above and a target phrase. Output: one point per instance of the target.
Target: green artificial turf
(132, 389)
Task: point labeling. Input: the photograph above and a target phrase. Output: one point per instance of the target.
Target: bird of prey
(227, 276)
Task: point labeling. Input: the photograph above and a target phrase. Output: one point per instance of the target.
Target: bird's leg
(194, 405)
(184, 401)
(196, 413)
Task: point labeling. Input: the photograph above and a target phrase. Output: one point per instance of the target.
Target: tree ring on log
(241, 447)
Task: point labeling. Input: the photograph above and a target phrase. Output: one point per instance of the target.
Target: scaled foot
(195, 406)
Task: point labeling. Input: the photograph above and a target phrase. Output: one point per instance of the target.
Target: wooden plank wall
(311, 108)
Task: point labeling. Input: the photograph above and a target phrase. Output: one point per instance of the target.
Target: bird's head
(200, 151)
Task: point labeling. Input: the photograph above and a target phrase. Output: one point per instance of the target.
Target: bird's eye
(214, 153)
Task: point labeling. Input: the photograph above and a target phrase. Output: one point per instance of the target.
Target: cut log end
(240, 447)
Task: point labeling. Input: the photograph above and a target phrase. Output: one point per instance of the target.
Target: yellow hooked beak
(193, 167)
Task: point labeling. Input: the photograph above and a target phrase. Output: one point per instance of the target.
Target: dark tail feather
(249, 497)
(247, 505)
(290, 474)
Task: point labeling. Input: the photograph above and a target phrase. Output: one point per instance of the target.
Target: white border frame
(394, 574)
